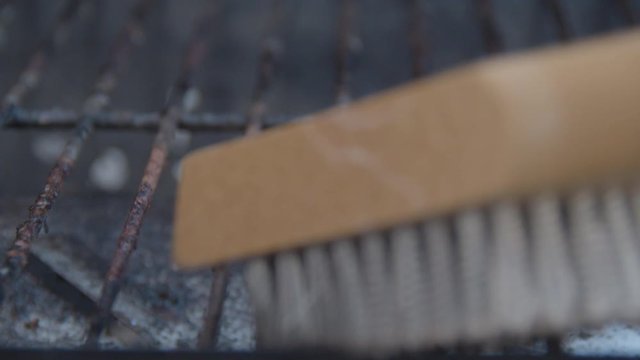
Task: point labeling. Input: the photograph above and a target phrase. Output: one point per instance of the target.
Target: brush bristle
(508, 270)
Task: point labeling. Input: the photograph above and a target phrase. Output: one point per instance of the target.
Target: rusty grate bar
(27, 232)
(208, 336)
(126, 120)
(254, 123)
(490, 35)
(344, 51)
(177, 104)
(417, 42)
(29, 78)
(562, 28)
(270, 45)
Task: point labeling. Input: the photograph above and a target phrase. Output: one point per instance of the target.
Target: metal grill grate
(374, 44)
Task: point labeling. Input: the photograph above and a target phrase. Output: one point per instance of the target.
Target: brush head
(505, 271)
(454, 170)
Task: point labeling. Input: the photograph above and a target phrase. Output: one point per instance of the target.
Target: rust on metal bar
(27, 232)
(257, 109)
(129, 235)
(29, 78)
(490, 36)
(119, 54)
(16, 256)
(175, 107)
(417, 42)
(208, 336)
(562, 28)
(253, 125)
(344, 50)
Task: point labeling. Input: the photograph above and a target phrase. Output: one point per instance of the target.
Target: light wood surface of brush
(512, 126)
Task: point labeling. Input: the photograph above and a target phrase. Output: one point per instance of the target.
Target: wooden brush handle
(507, 127)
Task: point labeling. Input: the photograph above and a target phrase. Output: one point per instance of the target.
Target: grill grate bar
(563, 32)
(344, 51)
(27, 232)
(126, 120)
(178, 103)
(208, 336)
(257, 110)
(253, 125)
(490, 35)
(416, 39)
(29, 79)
